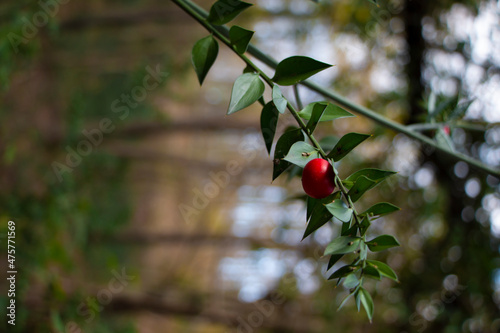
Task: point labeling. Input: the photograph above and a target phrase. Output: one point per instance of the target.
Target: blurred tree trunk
(413, 14)
(475, 241)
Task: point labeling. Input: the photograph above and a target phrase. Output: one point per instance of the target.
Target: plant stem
(290, 107)
(191, 8)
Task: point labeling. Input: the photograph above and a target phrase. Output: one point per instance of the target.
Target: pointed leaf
(364, 180)
(310, 204)
(367, 301)
(282, 147)
(363, 251)
(381, 243)
(297, 68)
(319, 216)
(203, 56)
(371, 272)
(364, 225)
(240, 38)
(376, 175)
(224, 11)
(342, 244)
(339, 210)
(247, 89)
(278, 99)
(301, 153)
(347, 143)
(351, 281)
(317, 113)
(344, 301)
(359, 188)
(268, 123)
(332, 112)
(333, 260)
(383, 269)
(341, 272)
(444, 140)
(380, 209)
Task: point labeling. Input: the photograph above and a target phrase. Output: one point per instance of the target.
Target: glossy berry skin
(318, 179)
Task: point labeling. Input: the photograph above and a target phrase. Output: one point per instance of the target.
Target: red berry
(318, 179)
(446, 129)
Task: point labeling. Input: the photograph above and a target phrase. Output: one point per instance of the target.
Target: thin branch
(346, 103)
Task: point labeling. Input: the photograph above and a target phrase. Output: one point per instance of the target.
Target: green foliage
(340, 211)
(279, 101)
(293, 149)
(268, 122)
(347, 143)
(294, 69)
(240, 38)
(301, 153)
(247, 89)
(285, 142)
(317, 112)
(381, 243)
(224, 11)
(332, 112)
(203, 56)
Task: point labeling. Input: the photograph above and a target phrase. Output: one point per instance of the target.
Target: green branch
(198, 16)
(339, 100)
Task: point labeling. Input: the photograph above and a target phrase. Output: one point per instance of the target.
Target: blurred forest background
(142, 233)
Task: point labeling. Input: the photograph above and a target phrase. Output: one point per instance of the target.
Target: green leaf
(348, 231)
(376, 175)
(364, 180)
(282, 147)
(317, 113)
(367, 301)
(341, 272)
(444, 140)
(297, 68)
(240, 38)
(347, 143)
(332, 112)
(310, 205)
(203, 56)
(364, 225)
(319, 216)
(224, 11)
(339, 210)
(278, 99)
(268, 123)
(351, 281)
(371, 272)
(247, 89)
(301, 153)
(363, 251)
(344, 301)
(360, 187)
(248, 69)
(380, 209)
(383, 269)
(333, 260)
(342, 244)
(381, 243)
